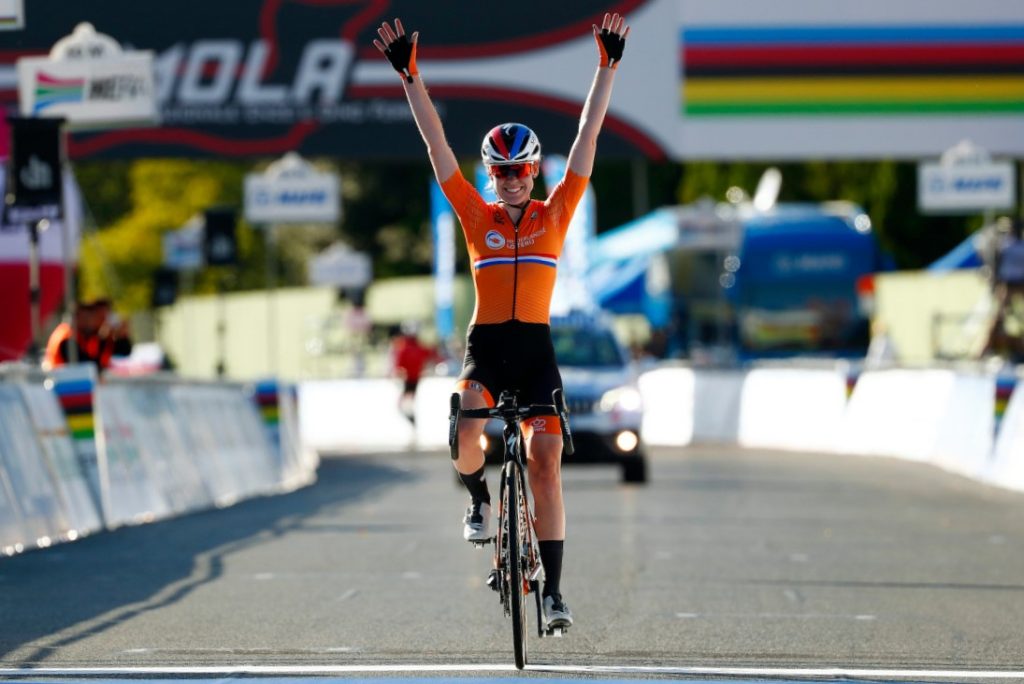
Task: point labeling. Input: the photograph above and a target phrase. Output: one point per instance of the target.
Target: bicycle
(517, 568)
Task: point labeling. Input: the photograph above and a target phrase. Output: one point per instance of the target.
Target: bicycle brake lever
(453, 425)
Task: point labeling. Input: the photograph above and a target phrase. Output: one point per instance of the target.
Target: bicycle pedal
(481, 543)
(557, 632)
(494, 580)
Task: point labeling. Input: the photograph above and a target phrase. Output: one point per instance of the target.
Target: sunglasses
(510, 170)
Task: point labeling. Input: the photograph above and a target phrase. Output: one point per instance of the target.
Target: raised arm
(398, 50)
(611, 39)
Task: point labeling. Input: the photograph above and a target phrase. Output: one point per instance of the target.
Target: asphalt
(729, 563)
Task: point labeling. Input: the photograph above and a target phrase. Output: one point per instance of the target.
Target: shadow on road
(71, 591)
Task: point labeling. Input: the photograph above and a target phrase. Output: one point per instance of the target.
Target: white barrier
(73, 387)
(896, 413)
(683, 405)
(354, 415)
(939, 416)
(717, 395)
(936, 415)
(433, 397)
(966, 434)
(1007, 465)
(133, 450)
(131, 487)
(302, 461)
(790, 408)
(225, 429)
(277, 405)
(668, 399)
(42, 518)
(80, 502)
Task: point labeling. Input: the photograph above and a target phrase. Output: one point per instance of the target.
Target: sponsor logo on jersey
(494, 239)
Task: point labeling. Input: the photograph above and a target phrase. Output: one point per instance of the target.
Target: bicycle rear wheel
(517, 590)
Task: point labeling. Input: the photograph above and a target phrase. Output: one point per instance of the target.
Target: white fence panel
(966, 436)
(163, 446)
(716, 405)
(897, 413)
(130, 486)
(43, 515)
(353, 416)
(80, 501)
(1007, 466)
(798, 409)
(668, 399)
(433, 396)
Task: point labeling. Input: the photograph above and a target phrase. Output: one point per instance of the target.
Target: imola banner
(700, 79)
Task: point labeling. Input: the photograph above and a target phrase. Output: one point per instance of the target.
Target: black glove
(611, 46)
(402, 55)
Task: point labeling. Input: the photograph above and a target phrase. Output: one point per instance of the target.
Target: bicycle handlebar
(507, 410)
(515, 413)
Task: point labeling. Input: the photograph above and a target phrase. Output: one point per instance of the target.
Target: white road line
(778, 616)
(302, 670)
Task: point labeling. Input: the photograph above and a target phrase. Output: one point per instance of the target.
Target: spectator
(97, 337)
(409, 356)
(1008, 294)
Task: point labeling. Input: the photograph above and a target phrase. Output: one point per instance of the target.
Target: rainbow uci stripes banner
(51, 91)
(731, 71)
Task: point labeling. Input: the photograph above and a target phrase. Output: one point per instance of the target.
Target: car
(605, 407)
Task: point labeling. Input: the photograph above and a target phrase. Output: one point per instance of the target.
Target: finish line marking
(301, 670)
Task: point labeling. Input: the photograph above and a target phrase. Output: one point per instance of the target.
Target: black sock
(477, 485)
(551, 559)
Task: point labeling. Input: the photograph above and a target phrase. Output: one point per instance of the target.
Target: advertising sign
(966, 188)
(291, 191)
(183, 248)
(35, 187)
(220, 240)
(340, 267)
(90, 81)
(12, 15)
(699, 79)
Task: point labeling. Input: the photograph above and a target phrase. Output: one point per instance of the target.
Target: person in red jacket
(409, 356)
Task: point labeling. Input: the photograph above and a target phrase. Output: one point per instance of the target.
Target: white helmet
(510, 143)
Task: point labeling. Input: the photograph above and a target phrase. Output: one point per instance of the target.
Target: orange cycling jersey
(514, 265)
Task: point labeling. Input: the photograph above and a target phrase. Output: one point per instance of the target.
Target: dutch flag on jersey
(541, 259)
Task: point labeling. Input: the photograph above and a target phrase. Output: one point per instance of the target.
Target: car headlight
(621, 399)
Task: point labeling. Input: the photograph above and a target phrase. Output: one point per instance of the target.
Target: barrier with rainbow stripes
(78, 454)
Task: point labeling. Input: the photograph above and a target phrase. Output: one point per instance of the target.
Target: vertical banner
(483, 184)
(220, 242)
(35, 183)
(571, 289)
(443, 222)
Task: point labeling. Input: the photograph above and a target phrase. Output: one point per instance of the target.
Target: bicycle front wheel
(517, 587)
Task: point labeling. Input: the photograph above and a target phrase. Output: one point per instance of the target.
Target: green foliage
(386, 213)
(138, 204)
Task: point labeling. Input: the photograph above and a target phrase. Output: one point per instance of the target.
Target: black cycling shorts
(513, 356)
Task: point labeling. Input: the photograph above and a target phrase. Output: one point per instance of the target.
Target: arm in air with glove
(400, 51)
(396, 46)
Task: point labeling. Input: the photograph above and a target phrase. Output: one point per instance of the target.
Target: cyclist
(514, 245)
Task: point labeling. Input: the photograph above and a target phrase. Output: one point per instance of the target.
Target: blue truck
(749, 284)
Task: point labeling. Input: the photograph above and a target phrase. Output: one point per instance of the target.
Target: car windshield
(586, 347)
